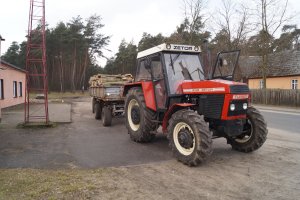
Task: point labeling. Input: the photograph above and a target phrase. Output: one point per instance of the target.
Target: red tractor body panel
(216, 87)
(207, 87)
(147, 87)
(228, 98)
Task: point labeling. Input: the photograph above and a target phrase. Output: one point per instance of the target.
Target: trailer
(107, 99)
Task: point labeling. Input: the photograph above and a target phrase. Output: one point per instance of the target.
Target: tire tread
(204, 148)
(260, 135)
(146, 132)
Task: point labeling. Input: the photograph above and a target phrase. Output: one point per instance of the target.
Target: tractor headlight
(245, 106)
(232, 107)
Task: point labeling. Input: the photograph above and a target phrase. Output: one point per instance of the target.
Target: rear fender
(147, 88)
(175, 107)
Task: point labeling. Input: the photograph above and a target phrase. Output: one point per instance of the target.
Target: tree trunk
(74, 70)
(82, 81)
(61, 73)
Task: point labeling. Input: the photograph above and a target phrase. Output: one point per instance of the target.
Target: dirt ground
(272, 172)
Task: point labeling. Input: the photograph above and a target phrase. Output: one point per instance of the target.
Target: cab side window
(156, 68)
(143, 73)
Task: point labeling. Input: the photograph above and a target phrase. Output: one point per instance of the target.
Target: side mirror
(221, 62)
(148, 63)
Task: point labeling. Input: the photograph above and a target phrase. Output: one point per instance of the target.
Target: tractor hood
(217, 86)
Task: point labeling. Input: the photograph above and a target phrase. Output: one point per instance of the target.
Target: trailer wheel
(189, 137)
(254, 134)
(106, 116)
(139, 118)
(98, 111)
(93, 105)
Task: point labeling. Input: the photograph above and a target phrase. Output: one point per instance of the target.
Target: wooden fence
(276, 97)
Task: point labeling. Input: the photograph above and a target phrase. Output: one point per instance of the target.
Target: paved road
(85, 143)
(287, 121)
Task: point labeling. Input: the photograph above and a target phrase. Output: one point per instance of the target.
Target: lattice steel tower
(36, 110)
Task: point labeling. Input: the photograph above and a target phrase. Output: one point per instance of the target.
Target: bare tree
(271, 15)
(233, 20)
(194, 17)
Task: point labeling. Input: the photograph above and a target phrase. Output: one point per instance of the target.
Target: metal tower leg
(36, 79)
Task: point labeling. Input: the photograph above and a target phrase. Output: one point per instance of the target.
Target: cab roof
(169, 47)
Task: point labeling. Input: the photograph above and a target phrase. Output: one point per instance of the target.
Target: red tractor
(171, 89)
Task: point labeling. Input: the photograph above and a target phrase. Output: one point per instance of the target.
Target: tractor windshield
(182, 66)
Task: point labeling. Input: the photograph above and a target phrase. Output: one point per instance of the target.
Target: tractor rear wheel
(254, 133)
(138, 117)
(106, 116)
(98, 110)
(189, 137)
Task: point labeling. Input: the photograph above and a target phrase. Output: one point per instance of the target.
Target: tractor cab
(170, 65)
(167, 66)
(193, 104)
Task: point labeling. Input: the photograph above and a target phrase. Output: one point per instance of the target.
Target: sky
(123, 19)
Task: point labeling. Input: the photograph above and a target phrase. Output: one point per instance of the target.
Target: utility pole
(1, 39)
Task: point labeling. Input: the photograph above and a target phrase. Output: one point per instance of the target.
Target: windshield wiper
(185, 72)
(172, 64)
(173, 60)
(177, 56)
(199, 71)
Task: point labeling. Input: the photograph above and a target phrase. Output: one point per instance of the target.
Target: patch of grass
(59, 95)
(48, 184)
(36, 125)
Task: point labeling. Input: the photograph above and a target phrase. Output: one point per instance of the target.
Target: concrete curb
(277, 108)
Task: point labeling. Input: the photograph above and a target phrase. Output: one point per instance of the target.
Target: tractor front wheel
(139, 118)
(189, 137)
(254, 133)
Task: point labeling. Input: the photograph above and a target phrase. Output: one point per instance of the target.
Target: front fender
(147, 88)
(175, 107)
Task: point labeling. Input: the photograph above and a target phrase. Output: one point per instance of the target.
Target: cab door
(158, 80)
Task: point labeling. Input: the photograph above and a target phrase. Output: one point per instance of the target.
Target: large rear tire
(189, 137)
(106, 116)
(255, 133)
(98, 110)
(139, 118)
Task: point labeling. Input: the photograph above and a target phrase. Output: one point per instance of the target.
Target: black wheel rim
(135, 115)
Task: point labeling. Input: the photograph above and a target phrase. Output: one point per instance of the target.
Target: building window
(15, 89)
(261, 84)
(1, 89)
(20, 89)
(294, 84)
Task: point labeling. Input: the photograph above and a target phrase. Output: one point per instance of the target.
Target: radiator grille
(212, 105)
(239, 89)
